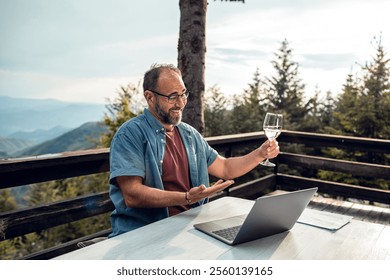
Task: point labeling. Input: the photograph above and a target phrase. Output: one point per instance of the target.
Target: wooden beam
(339, 141)
(20, 222)
(24, 171)
(65, 247)
(349, 167)
(290, 182)
(255, 188)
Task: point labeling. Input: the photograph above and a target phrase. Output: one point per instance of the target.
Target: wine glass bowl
(272, 127)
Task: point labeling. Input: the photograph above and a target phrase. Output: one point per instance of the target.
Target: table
(175, 238)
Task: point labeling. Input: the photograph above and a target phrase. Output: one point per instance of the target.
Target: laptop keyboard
(228, 233)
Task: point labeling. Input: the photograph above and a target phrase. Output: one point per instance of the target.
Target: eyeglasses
(174, 97)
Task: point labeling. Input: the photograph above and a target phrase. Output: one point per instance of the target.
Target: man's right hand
(198, 193)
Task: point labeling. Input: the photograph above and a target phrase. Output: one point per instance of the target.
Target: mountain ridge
(27, 115)
(82, 138)
(39, 135)
(10, 145)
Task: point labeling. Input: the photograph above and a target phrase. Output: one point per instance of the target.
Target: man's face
(172, 116)
(167, 112)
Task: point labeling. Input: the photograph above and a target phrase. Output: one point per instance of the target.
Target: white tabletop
(176, 238)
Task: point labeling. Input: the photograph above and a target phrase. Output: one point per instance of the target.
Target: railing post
(276, 167)
(228, 152)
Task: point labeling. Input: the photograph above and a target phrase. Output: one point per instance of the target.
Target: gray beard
(166, 117)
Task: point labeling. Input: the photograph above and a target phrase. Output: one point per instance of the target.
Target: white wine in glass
(272, 128)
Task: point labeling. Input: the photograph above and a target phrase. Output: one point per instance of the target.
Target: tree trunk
(191, 58)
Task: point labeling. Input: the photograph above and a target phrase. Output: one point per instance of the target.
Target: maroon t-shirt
(175, 168)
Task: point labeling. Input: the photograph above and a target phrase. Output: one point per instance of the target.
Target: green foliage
(363, 110)
(244, 113)
(319, 116)
(127, 105)
(215, 111)
(7, 201)
(249, 109)
(372, 101)
(345, 107)
(54, 191)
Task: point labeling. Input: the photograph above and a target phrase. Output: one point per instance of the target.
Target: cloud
(82, 38)
(328, 61)
(237, 56)
(91, 90)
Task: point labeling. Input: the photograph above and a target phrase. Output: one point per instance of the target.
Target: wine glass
(272, 126)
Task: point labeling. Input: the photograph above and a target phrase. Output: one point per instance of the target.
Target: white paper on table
(322, 219)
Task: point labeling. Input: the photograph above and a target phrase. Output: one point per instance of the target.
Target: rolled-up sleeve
(126, 156)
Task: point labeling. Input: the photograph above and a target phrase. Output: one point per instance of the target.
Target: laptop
(269, 215)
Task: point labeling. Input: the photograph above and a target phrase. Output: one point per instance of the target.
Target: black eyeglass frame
(173, 97)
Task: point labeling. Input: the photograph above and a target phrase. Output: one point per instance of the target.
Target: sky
(85, 50)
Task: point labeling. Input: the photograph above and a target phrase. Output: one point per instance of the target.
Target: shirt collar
(153, 122)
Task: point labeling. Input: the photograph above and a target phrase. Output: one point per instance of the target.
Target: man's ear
(148, 96)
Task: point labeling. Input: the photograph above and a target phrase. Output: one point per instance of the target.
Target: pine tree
(249, 108)
(216, 111)
(254, 101)
(362, 110)
(363, 107)
(326, 113)
(345, 108)
(319, 113)
(286, 89)
(374, 97)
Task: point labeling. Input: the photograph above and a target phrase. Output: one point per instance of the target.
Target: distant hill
(82, 138)
(22, 140)
(9, 146)
(40, 135)
(21, 114)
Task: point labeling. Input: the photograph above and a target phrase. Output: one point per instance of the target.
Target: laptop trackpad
(229, 222)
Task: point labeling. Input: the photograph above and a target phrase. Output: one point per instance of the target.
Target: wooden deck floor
(363, 212)
(359, 211)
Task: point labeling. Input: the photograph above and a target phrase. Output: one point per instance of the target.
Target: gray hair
(153, 74)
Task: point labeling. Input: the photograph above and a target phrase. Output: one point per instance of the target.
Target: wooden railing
(17, 172)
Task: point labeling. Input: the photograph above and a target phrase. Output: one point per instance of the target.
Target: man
(160, 166)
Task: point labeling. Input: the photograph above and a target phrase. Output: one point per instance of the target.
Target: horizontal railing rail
(339, 141)
(29, 170)
(33, 219)
(290, 182)
(321, 163)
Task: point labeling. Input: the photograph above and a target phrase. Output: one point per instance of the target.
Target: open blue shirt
(137, 149)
